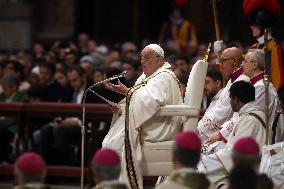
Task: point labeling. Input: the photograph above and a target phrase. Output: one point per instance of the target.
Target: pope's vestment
(138, 122)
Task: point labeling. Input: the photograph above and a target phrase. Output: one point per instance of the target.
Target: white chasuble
(138, 123)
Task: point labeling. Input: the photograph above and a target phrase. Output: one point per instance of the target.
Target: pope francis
(157, 86)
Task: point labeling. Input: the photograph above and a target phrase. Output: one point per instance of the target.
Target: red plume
(250, 6)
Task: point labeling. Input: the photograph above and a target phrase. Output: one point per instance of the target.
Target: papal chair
(157, 157)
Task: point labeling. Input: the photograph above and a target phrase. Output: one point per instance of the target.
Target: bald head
(231, 59)
(233, 52)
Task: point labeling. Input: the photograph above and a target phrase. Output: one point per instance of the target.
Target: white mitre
(157, 49)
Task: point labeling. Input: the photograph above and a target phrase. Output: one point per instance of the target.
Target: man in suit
(63, 132)
(51, 88)
(8, 125)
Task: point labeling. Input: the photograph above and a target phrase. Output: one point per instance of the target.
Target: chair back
(194, 92)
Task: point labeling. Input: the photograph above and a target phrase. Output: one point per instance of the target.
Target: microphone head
(123, 74)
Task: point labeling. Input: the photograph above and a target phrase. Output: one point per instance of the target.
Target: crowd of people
(63, 71)
(36, 78)
(227, 151)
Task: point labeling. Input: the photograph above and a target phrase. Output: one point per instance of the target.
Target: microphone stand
(83, 128)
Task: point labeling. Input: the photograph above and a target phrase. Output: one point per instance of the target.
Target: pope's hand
(120, 88)
(213, 138)
(218, 47)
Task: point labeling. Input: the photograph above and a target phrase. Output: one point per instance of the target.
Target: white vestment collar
(248, 107)
(166, 65)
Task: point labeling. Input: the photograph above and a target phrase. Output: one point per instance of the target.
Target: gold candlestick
(207, 53)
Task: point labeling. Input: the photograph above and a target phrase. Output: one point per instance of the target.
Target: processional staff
(217, 32)
(266, 81)
(216, 22)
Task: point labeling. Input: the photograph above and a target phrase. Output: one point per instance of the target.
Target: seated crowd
(232, 130)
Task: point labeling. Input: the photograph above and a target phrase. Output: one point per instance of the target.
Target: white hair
(258, 56)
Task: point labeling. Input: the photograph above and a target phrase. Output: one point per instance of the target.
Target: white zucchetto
(157, 49)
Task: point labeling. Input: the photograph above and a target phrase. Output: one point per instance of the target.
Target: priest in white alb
(216, 116)
(250, 123)
(253, 66)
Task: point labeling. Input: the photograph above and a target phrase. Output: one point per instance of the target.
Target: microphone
(122, 74)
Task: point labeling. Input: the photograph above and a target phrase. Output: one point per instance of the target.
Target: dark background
(112, 21)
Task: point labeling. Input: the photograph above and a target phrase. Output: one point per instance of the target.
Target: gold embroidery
(128, 154)
(141, 141)
(131, 174)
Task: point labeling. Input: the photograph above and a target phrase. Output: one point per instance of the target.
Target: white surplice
(217, 165)
(162, 88)
(279, 137)
(259, 101)
(227, 127)
(273, 164)
(221, 112)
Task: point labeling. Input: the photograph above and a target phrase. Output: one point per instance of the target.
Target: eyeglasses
(226, 59)
(146, 58)
(251, 61)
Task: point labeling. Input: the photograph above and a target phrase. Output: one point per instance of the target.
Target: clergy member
(30, 171)
(250, 123)
(106, 169)
(215, 117)
(156, 87)
(186, 155)
(253, 66)
(246, 153)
